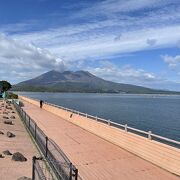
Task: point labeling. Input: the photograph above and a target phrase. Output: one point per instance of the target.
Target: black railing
(58, 161)
(38, 171)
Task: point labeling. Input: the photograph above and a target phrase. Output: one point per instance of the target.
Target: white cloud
(130, 42)
(173, 62)
(116, 32)
(130, 75)
(178, 43)
(119, 32)
(85, 45)
(109, 7)
(25, 59)
(124, 74)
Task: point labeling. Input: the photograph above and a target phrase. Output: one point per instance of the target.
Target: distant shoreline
(157, 94)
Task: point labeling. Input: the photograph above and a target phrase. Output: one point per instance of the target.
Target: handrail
(149, 134)
(44, 142)
(138, 130)
(166, 139)
(117, 124)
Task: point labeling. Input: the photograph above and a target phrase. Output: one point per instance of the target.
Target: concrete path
(95, 158)
(9, 169)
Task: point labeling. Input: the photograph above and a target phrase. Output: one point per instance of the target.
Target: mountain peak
(79, 81)
(67, 72)
(83, 72)
(53, 71)
(54, 77)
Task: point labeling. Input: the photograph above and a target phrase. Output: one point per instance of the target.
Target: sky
(126, 41)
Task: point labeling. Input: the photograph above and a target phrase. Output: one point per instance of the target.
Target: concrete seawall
(164, 156)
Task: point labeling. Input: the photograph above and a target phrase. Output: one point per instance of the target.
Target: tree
(5, 86)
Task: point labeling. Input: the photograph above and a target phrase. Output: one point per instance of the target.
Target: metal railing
(58, 161)
(125, 127)
(38, 170)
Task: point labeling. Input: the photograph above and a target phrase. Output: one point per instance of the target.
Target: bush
(12, 95)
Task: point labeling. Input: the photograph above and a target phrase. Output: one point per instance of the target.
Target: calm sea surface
(158, 113)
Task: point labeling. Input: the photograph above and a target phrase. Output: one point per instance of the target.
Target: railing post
(126, 126)
(35, 131)
(46, 146)
(29, 122)
(109, 122)
(75, 174)
(33, 167)
(70, 173)
(96, 118)
(24, 114)
(149, 135)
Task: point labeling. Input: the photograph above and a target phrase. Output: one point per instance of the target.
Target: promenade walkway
(95, 158)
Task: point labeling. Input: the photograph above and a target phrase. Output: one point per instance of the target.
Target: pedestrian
(41, 103)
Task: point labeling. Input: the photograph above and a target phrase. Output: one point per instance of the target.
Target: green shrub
(12, 95)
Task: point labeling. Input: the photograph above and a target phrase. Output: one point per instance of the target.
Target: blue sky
(127, 41)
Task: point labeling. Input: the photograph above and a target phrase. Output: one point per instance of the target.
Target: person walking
(41, 103)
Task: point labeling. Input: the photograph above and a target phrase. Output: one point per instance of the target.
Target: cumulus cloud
(129, 75)
(24, 60)
(173, 62)
(124, 74)
(113, 28)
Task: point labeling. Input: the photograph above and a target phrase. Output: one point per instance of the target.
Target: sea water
(157, 113)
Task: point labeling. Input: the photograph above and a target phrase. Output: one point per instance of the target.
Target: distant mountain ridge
(53, 77)
(80, 81)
